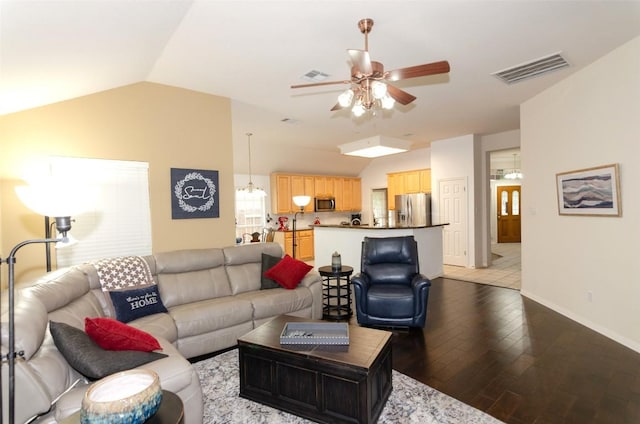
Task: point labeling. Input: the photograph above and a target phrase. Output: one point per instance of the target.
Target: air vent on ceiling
(315, 76)
(532, 69)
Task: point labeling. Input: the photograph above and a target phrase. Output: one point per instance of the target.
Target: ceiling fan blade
(361, 60)
(400, 96)
(336, 107)
(434, 68)
(316, 84)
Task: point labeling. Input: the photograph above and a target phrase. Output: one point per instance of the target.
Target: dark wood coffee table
(324, 383)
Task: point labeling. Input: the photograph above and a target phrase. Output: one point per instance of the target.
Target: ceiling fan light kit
(369, 90)
(374, 147)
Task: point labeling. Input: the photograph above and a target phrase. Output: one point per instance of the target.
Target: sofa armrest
(312, 277)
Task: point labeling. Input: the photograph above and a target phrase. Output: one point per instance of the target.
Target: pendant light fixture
(515, 173)
(251, 190)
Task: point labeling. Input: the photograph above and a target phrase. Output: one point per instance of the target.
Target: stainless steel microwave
(325, 204)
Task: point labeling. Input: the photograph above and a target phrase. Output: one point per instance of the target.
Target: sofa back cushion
(243, 264)
(187, 276)
(66, 296)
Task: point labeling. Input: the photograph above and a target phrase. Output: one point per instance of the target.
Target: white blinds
(119, 221)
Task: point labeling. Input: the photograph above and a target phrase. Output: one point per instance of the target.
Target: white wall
(591, 118)
(375, 174)
(451, 159)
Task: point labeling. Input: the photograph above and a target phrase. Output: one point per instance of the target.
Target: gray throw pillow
(268, 262)
(89, 359)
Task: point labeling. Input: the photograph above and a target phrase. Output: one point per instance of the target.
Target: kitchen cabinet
(323, 186)
(351, 194)
(302, 185)
(395, 185)
(338, 192)
(304, 240)
(411, 182)
(345, 190)
(280, 194)
(356, 199)
(284, 187)
(417, 181)
(425, 181)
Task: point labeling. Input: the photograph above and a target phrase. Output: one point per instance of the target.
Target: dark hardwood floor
(518, 360)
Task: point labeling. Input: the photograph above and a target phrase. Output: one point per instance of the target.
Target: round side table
(336, 292)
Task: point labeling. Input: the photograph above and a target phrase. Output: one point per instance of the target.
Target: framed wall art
(592, 191)
(194, 194)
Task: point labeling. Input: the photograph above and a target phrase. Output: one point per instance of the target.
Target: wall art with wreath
(194, 194)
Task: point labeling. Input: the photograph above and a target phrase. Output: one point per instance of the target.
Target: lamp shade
(301, 201)
(54, 197)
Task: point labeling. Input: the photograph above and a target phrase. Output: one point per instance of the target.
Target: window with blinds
(118, 222)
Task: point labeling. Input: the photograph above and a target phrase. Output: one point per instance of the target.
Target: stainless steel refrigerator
(413, 210)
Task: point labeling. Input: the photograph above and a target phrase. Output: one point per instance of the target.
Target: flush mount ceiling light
(374, 147)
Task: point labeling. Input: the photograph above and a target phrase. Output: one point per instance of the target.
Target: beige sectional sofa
(213, 296)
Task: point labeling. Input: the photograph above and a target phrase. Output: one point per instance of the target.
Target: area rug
(410, 400)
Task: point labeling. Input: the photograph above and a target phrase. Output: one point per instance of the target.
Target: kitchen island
(347, 240)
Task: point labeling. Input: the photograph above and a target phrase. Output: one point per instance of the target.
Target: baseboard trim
(582, 320)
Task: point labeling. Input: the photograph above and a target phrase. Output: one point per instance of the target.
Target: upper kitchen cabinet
(345, 190)
(324, 186)
(284, 187)
(417, 181)
(425, 180)
(351, 195)
(280, 194)
(302, 185)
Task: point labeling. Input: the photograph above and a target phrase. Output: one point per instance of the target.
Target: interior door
(509, 200)
(453, 211)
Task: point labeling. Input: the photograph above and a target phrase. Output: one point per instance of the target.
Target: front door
(509, 200)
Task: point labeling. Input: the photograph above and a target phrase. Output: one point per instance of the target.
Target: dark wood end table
(336, 292)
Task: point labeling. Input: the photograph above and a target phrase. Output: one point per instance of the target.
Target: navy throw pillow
(137, 303)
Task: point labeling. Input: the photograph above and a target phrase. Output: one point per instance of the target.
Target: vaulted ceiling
(252, 51)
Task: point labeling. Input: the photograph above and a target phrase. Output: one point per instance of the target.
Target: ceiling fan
(368, 79)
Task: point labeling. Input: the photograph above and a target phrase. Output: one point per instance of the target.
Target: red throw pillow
(288, 272)
(111, 334)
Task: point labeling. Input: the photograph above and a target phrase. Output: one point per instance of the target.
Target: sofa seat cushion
(210, 315)
(270, 303)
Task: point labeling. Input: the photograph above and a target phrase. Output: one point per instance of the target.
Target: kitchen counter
(347, 240)
(373, 227)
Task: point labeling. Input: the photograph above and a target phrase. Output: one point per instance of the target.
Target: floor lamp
(301, 202)
(33, 198)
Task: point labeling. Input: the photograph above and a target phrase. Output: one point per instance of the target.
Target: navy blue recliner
(390, 291)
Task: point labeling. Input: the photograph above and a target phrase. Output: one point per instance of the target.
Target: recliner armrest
(420, 284)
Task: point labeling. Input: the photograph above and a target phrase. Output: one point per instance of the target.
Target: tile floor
(503, 272)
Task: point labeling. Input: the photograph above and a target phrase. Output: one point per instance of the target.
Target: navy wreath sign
(194, 194)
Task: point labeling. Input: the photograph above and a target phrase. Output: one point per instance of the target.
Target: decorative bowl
(126, 397)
